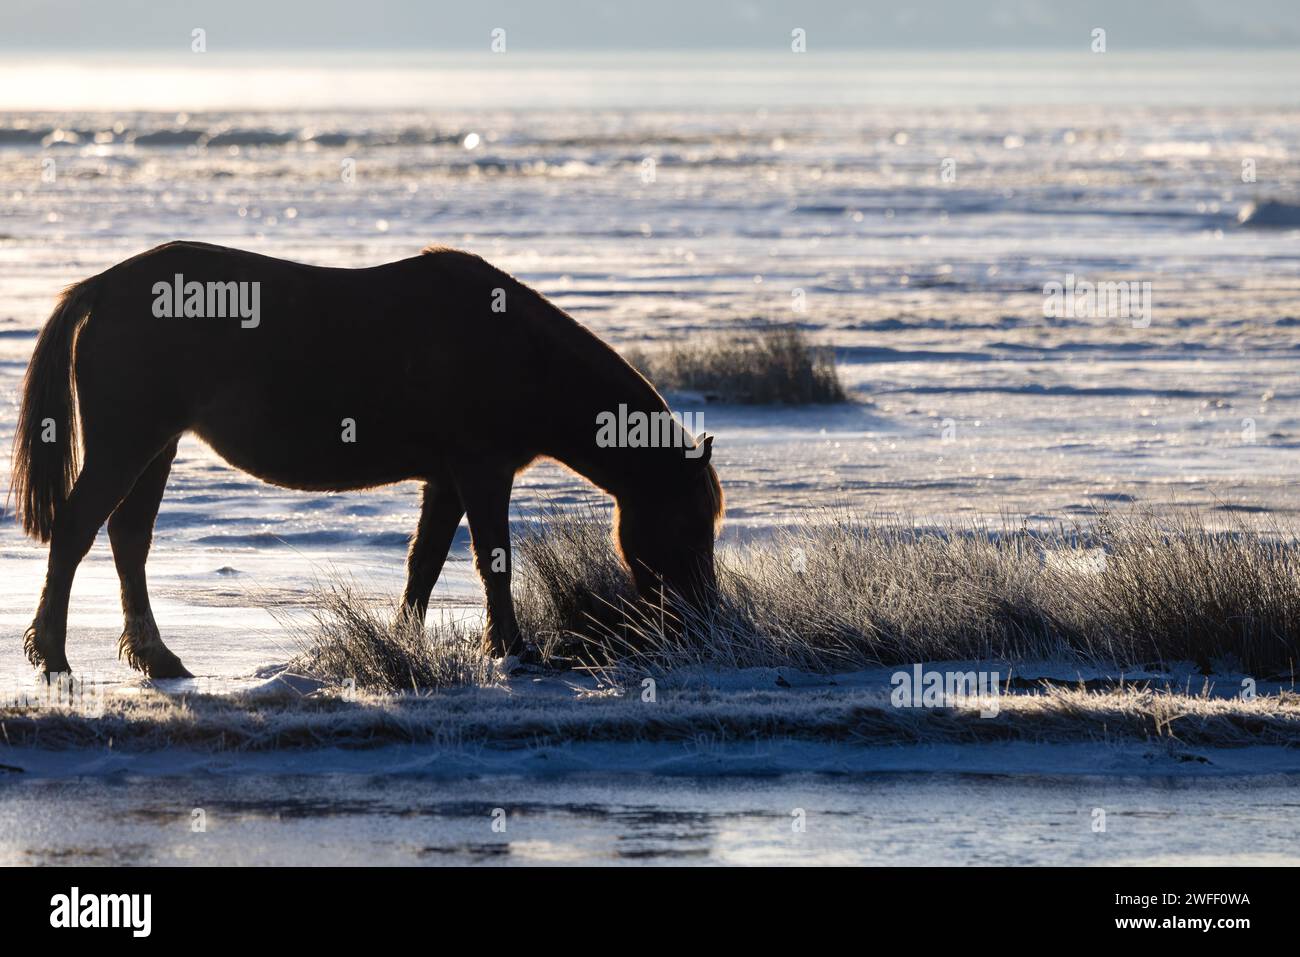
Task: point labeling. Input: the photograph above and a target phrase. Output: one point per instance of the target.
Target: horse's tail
(46, 445)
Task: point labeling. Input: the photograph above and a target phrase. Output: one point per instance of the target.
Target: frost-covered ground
(769, 186)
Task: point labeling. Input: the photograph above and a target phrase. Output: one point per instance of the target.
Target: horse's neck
(602, 387)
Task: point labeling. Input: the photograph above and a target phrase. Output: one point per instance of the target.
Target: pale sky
(123, 25)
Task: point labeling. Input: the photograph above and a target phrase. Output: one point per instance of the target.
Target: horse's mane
(594, 351)
(718, 499)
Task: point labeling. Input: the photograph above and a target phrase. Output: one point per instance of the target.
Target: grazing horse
(439, 368)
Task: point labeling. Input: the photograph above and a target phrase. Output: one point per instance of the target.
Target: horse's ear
(704, 450)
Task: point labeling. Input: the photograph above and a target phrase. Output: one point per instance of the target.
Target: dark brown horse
(440, 368)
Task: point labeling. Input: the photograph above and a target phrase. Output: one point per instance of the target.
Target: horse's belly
(313, 453)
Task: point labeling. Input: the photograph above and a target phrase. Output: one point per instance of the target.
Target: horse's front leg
(485, 493)
(440, 516)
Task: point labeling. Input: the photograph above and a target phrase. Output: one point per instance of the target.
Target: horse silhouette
(439, 368)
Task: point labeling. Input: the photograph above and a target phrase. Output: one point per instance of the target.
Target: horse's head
(665, 531)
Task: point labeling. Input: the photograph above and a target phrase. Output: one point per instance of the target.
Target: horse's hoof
(164, 664)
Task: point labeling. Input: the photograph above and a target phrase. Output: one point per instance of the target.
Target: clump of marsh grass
(1174, 590)
(358, 640)
(576, 602)
(840, 592)
(772, 364)
(570, 579)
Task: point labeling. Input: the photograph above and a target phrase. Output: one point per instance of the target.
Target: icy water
(884, 819)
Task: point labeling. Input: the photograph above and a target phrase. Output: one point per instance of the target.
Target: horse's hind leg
(440, 515)
(130, 530)
(105, 479)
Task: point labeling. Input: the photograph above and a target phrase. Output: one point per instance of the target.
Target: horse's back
(321, 377)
